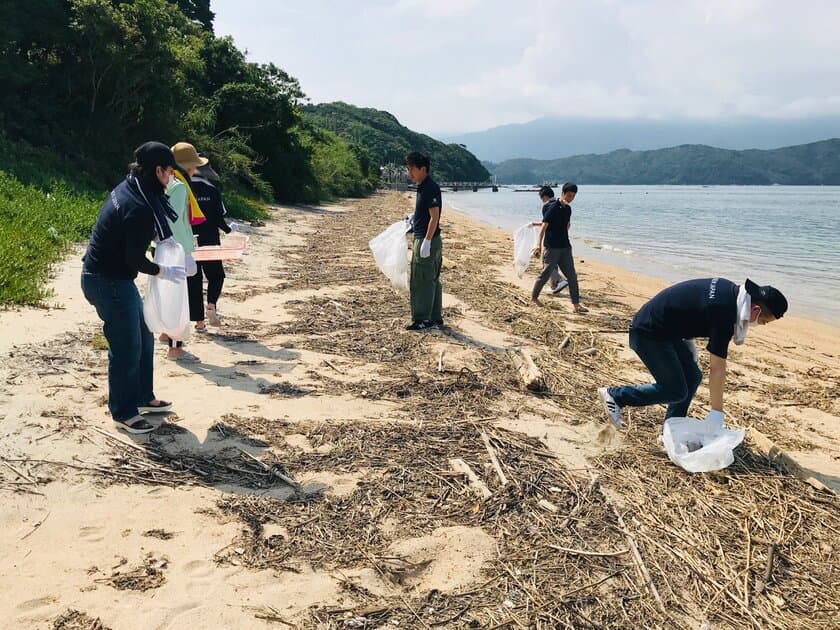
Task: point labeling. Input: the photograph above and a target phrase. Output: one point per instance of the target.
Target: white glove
(715, 417)
(173, 274)
(426, 248)
(692, 347)
(191, 267)
(234, 227)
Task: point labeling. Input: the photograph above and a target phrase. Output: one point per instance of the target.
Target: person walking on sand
(135, 212)
(185, 205)
(207, 232)
(554, 245)
(662, 333)
(427, 251)
(557, 281)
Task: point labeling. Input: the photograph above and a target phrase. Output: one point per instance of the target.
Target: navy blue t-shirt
(557, 215)
(707, 307)
(428, 196)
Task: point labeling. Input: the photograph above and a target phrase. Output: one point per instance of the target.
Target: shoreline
(806, 290)
(651, 284)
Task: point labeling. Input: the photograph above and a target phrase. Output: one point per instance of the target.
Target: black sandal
(161, 407)
(136, 425)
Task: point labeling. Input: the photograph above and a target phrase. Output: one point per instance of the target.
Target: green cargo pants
(424, 283)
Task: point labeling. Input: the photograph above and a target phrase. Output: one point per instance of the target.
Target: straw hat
(187, 156)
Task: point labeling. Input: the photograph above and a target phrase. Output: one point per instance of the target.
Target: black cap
(768, 295)
(152, 154)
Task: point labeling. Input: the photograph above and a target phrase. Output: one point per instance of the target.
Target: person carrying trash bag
(662, 333)
(554, 246)
(135, 212)
(427, 252)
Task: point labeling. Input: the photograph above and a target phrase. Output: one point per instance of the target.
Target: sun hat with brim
(187, 156)
(771, 296)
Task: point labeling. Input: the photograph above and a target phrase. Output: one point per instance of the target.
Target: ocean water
(787, 236)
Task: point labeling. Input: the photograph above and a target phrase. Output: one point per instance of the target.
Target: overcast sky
(450, 66)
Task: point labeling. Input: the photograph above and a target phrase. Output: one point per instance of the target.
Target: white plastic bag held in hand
(524, 241)
(390, 253)
(698, 445)
(165, 305)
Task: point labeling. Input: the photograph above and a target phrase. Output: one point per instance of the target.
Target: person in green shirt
(179, 195)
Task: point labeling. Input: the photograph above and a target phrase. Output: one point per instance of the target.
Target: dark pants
(424, 284)
(552, 258)
(215, 279)
(130, 343)
(215, 274)
(672, 365)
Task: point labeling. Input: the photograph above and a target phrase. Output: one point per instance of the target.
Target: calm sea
(787, 236)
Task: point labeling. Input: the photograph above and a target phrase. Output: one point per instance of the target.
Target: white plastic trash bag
(165, 305)
(524, 242)
(700, 445)
(391, 254)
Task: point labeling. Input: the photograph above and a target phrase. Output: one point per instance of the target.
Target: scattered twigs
(36, 526)
(272, 471)
(460, 466)
(582, 552)
(762, 582)
(19, 473)
(582, 501)
(493, 459)
(641, 567)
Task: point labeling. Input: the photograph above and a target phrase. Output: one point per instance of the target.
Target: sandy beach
(309, 475)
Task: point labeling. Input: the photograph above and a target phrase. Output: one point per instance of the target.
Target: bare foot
(580, 309)
(535, 302)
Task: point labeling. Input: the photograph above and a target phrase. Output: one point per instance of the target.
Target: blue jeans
(672, 366)
(130, 343)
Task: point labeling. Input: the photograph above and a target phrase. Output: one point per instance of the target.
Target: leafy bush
(36, 227)
(46, 205)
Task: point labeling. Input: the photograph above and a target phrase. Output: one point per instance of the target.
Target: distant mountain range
(552, 138)
(817, 163)
(387, 141)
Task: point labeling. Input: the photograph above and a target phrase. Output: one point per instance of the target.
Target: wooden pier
(474, 186)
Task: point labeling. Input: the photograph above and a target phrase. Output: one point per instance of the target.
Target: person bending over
(662, 333)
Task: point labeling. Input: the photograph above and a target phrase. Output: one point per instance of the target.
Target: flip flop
(136, 425)
(161, 407)
(184, 357)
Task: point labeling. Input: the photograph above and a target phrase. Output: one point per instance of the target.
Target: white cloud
(460, 65)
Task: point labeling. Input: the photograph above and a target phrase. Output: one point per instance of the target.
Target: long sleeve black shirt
(121, 236)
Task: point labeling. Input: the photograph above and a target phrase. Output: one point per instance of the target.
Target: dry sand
(70, 536)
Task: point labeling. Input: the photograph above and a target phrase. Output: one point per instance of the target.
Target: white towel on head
(742, 319)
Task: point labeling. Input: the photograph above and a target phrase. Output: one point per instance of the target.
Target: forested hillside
(817, 163)
(92, 79)
(387, 141)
